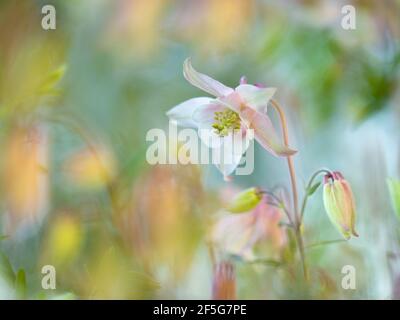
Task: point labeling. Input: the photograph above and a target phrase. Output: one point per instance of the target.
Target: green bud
(245, 200)
(339, 204)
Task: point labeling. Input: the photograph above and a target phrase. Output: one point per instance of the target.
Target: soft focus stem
(297, 218)
(309, 185)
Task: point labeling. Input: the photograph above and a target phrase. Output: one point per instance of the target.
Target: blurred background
(76, 103)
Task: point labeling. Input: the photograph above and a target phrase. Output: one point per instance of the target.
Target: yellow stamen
(225, 121)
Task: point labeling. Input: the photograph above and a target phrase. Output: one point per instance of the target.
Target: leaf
(324, 243)
(312, 189)
(20, 284)
(267, 262)
(6, 269)
(64, 296)
(394, 190)
(48, 85)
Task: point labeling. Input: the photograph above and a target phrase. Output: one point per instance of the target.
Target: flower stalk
(309, 187)
(292, 173)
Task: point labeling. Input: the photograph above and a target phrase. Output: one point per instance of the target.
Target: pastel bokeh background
(76, 104)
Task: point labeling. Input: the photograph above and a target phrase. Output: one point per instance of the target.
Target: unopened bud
(245, 200)
(339, 204)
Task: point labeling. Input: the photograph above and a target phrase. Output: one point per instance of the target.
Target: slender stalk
(292, 173)
(91, 145)
(309, 185)
(279, 204)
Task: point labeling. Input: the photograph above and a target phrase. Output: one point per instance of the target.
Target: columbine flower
(224, 282)
(228, 116)
(237, 234)
(339, 204)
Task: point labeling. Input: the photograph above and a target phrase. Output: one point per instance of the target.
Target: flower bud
(245, 200)
(339, 204)
(224, 282)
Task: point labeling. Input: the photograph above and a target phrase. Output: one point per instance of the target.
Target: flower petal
(183, 113)
(232, 234)
(233, 146)
(204, 82)
(264, 132)
(204, 117)
(255, 97)
(232, 101)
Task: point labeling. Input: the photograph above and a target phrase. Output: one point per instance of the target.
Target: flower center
(225, 121)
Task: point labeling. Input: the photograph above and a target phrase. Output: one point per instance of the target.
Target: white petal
(231, 151)
(255, 97)
(183, 113)
(204, 117)
(204, 82)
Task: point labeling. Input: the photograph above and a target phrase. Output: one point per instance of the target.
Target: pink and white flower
(238, 234)
(231, 114)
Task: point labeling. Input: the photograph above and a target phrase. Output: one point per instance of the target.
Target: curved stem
(309, 185)
(293, 181)
(279, 204)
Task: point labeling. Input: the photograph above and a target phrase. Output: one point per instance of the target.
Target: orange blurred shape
(91, 167)
(163, 223)
(224, 281)
(25, 174)
(135, 26)
(215, 24)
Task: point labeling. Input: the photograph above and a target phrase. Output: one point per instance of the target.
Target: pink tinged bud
(339, 204)
(243, 80)
(260, 85)
(224, 282)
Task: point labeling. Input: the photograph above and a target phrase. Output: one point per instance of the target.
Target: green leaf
(48, 85)
(20, 284)
(6, 270)
(312, 189)
(324, 243)
(394, 190)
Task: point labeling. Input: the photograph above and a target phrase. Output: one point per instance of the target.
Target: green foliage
(20, 284)
(310, 191)
(6, 270)
(394, 191)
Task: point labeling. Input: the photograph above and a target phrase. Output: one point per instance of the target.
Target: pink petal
(232, 233)
(183, 113)
(255, 97)
(232, 101)
(264, 132)
(204, 82)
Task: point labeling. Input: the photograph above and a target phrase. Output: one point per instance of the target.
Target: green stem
(309, 185)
